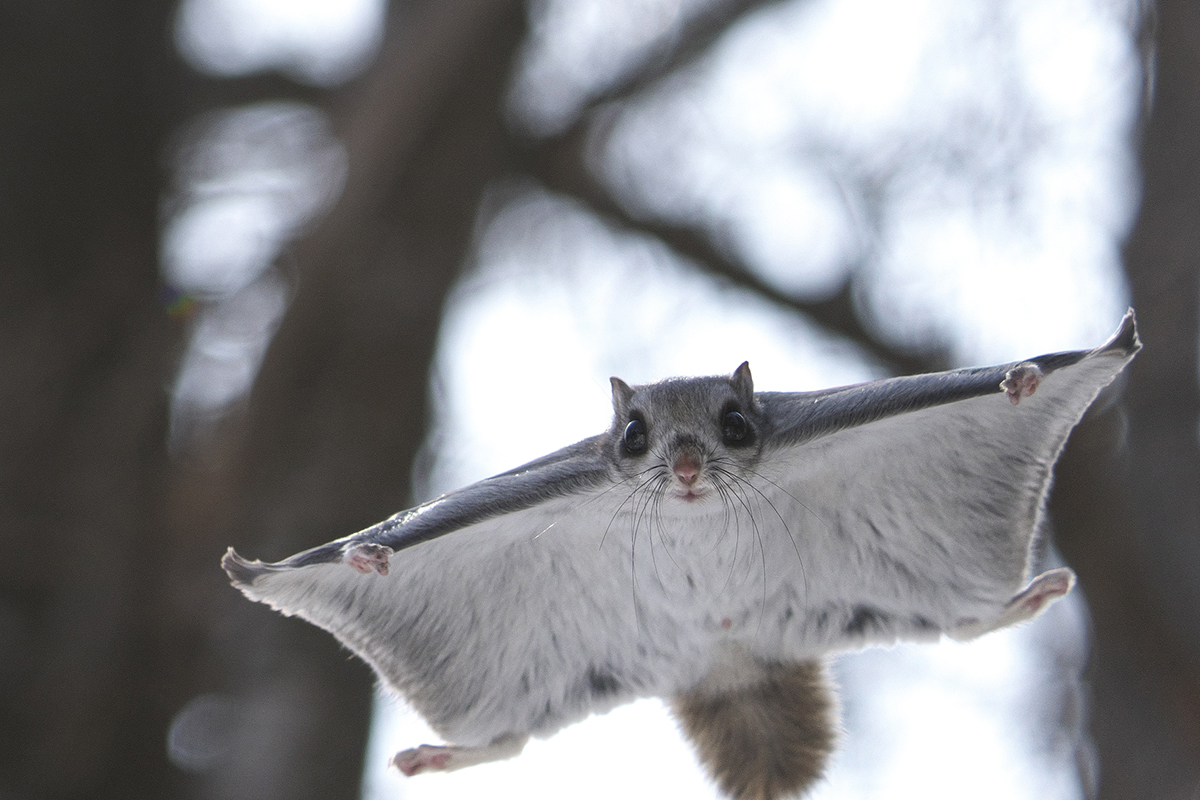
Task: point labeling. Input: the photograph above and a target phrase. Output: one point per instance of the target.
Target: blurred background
(272, 270)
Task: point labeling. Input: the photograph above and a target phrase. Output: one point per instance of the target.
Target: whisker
(654, 475)
(726, 492)
(652, 506)
(595, 498)
(633, 555)
(630, 496)
(667, 545)
(647, 507)
(726, 508)
(799, 502)
(738, 492)
(723, 492)
(782, 521)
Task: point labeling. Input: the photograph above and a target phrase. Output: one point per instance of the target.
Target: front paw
(367, 557)
(1022, 381)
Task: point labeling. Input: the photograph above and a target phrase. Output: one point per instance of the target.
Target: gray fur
(897, 509)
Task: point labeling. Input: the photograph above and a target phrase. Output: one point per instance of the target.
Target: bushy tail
(768, 740)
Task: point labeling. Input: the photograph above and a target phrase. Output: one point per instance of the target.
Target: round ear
(622, 395)
(743, 384)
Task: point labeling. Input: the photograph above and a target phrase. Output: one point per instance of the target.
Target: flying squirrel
(712, 548)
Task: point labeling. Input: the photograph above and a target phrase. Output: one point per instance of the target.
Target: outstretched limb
(445, 758)
(1025, 605)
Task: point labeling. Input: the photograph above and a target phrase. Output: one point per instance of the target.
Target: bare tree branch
(560, 165)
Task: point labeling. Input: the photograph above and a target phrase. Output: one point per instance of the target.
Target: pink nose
(687, 469)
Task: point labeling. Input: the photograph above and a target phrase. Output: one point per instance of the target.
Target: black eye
(635, 437)
(734, 427)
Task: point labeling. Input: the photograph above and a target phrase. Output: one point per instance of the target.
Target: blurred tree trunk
(340, 407)
(87, 353)
(1127, 500)
(114, 614)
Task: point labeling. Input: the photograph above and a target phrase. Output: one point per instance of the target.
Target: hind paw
(426, 758)
(444, 758)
